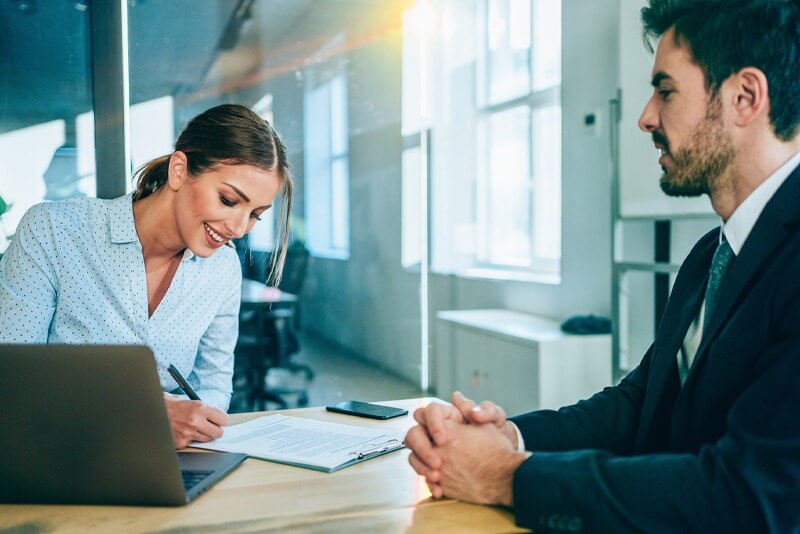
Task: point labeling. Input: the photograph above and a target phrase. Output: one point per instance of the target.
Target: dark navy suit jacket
(720, 454)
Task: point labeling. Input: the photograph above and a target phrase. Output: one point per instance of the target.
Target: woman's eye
(254, 216)
(226, 201)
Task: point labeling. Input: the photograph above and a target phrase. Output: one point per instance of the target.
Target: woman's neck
(155, 225)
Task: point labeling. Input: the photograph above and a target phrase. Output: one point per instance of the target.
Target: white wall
(589, 81)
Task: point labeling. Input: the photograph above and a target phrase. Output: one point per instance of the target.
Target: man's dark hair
(725, 36)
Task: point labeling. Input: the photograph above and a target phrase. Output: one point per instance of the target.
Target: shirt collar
(120, 220)
(121, 225)
(741, 222)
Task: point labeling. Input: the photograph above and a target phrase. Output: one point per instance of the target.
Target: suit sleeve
(746, 481)
(606, 421)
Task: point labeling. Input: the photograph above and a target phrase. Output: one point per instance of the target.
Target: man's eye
(665, 93)
(226, 201)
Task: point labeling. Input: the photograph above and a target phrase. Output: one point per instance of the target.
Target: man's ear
(750, 95)
(177, 170)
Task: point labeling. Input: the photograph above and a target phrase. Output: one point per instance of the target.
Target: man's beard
(699, 167)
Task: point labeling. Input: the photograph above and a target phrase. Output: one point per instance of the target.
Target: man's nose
(648, 121)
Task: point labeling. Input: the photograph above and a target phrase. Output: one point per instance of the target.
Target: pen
(183, 383)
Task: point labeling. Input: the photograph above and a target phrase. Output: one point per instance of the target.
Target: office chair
(267, 337)
(263, 344)
(294, 278)
(255, 267)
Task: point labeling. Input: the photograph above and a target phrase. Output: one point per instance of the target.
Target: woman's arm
(28, 282)
(213, 368)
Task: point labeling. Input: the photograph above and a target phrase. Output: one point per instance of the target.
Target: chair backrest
(295, 268)
(255, 266)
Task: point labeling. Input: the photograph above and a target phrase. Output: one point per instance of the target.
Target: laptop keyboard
(193, 478)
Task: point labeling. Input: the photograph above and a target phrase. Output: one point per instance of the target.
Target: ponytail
(151, 177)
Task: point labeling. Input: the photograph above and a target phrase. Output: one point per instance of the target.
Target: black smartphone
(365, 409)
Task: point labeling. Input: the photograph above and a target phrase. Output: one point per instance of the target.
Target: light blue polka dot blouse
(74, 273)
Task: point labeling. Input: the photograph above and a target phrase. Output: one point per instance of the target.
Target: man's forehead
(672, 59)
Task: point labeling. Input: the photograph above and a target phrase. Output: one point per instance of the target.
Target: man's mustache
(661, 139)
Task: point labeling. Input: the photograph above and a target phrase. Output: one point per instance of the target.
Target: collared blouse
(74, 273)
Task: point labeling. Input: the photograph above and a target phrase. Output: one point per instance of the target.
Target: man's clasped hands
(466, 451)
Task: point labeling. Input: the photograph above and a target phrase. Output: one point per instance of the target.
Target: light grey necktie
(719, 265)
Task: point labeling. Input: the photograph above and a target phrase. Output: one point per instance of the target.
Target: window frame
(326, 244)
(535, 99)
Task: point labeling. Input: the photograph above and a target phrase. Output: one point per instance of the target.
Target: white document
(305, 442)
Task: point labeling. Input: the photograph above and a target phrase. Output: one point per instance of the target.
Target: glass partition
(424, 138)
(328, 75)
(45, 94)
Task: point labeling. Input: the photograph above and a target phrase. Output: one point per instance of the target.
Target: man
(704, 435)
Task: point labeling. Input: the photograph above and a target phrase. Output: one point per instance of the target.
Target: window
(493, 88)
(46, 88)
(152, 135)
(518, 182)
(262, 236)
(326, 166)
(411, 214)
(418, 31)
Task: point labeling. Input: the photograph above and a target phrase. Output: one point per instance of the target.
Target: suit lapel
(682, 308)
(768, 233)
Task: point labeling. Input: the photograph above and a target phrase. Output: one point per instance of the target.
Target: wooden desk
(380, 495)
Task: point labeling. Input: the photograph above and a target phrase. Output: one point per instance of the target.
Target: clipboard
(307, 443)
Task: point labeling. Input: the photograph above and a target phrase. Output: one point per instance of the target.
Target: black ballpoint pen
(183, 383)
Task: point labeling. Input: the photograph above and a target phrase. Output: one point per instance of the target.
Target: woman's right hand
(193, 420)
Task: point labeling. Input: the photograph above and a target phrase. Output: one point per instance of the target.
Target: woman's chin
(203, 251)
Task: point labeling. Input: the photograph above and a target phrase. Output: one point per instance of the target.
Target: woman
(155, 267)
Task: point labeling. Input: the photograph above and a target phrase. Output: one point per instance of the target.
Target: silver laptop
(86, 424)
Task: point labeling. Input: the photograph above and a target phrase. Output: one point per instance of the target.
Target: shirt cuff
(520, 440)
(215, 398)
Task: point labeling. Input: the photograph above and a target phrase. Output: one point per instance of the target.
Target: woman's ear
(177, 170)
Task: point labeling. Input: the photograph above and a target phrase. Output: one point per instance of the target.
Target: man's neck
(756, 161)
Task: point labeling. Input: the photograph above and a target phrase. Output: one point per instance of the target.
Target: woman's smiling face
(221, 204)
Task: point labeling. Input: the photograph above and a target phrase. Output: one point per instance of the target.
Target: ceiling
(45, 61)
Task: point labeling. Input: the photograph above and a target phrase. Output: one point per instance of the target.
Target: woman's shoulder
(75, 217)
(66, 211)
(225, 262)
(228, 257)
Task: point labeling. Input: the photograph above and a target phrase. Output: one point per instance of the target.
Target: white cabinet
(520, 361)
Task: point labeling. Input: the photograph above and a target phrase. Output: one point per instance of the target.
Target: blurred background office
(468, 173)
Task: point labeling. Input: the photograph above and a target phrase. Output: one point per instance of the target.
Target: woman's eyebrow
(245, 197)
(239, 191)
